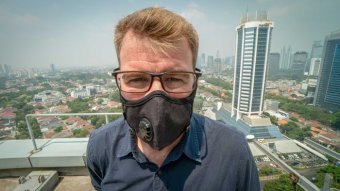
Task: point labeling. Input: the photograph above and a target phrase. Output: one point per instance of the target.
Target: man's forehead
(142, 44)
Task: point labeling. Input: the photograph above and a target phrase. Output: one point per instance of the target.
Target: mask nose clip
(145, 129)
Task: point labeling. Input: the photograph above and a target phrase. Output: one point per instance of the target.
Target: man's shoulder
(217, 134)
(218, 128)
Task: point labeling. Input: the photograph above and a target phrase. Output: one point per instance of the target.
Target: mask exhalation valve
(145, 129)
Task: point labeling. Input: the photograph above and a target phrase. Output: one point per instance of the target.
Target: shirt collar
(193, 141)
(126, 143)
(191, 144)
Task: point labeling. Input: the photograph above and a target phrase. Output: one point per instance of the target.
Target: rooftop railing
(35, 148)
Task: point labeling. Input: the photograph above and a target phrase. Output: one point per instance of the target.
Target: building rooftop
(286, 146)
(65, 155)
(255, 150)
(256, 120)
(221, 113)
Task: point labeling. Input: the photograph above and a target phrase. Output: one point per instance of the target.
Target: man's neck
(154, 155)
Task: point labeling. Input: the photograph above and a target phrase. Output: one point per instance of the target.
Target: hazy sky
(79, 33)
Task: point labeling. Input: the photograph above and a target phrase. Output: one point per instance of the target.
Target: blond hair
(162, 27)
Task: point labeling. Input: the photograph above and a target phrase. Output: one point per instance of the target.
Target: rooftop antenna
(247, 12)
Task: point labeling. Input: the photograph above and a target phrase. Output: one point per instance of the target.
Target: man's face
(136, 55)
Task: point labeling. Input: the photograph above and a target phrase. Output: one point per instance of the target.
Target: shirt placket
(157, 182)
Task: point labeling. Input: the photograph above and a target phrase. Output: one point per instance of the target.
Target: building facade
(252, 52)
(314, 66)
(328, 89)
(299, 63)
(273, 64)
(285, 58)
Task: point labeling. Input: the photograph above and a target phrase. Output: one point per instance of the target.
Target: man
(160, 144)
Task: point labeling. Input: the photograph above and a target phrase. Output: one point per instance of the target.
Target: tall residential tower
(252, 53)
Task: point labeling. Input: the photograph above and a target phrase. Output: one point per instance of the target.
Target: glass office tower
(252, 53)
(328, 88)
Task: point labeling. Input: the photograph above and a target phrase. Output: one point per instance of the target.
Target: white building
(79, 93)
(252, 52)
(49, 97)
(315, 66)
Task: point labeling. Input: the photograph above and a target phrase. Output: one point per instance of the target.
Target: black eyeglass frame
(197, 73)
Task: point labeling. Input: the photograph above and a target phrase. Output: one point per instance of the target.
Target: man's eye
(173, 79)
(135, 80)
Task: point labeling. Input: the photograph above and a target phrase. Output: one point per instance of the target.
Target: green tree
(306, 111)
(100, 101)
(267, 170)
(334, 171)
(98, 121)
(79, 105)
(58, 129)
(293, 131)
(35, 128)
(80, 133)
(220, 83)
(64, 117)
(284, 183)
(335, 121)
(273, 120)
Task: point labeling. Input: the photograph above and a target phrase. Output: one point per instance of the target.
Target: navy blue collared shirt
(210, 156)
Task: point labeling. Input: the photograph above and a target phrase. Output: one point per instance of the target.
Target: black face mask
(158, 119)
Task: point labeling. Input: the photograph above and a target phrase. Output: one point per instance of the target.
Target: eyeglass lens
(141, 82)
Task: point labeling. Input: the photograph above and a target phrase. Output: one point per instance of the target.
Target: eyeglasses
(141, 82)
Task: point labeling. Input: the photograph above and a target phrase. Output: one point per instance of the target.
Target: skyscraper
(252, 52)
(1, 69)
(299, 63)
(7, 69)
(313, 64)
(203, 59)
(328, 88)
(217, 63)
(52, 69)
(285, 58)
(210, 63)
(273, 64)
(316, 49)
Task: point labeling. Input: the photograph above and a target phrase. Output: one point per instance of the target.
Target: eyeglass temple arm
(114, 71)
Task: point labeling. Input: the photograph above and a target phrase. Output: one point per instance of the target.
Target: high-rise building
(285, 58)
(1, 69)
(273, 64)
(203, 60)
(7, 69)
(52, 69)
(217, 63)
(314, 61)
(328, 89)
(316, 49)
(252, 52)
(299, 63)
(314, 66)
(210, 62)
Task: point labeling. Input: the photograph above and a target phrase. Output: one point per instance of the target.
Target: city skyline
(37, 34)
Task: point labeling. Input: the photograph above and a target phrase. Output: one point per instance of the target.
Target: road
(322, 149)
